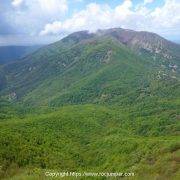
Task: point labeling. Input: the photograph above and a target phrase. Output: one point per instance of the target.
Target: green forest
(90, 103)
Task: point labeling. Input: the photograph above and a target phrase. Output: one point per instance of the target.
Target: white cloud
(168, 15)
(93, 17)
(53, 5)
(163, 20)
(78, 0)
(35, 14)
(52, 28)
(148, 1)
(17, 3)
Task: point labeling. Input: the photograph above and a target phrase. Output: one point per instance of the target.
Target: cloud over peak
(163, 20)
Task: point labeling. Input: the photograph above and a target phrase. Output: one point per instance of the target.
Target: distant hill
(12, 53)
(177, 41)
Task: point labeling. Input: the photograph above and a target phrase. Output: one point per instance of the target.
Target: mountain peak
(140, 41)
(78, 36)
(143, 41)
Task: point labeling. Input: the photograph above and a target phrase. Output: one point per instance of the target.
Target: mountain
(94, 67)
(144, 41)
(12, 53)
(93, 102)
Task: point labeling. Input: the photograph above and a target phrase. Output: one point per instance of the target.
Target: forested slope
(93, 102)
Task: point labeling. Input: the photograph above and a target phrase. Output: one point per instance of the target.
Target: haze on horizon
(29, 22)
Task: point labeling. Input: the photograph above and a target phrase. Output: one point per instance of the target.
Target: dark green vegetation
(11, 53)
(104, 102)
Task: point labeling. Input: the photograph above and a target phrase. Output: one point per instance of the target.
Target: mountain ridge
(65, 63)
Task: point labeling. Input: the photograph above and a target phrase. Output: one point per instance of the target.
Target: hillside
(13, 53)
(102, 66)
(92, 139)
(93, 102)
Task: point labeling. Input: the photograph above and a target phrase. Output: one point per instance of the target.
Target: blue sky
(24, 22)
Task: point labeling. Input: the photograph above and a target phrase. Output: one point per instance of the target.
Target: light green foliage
(92, 138)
